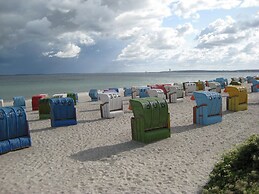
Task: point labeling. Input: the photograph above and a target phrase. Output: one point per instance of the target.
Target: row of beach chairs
(150, 121)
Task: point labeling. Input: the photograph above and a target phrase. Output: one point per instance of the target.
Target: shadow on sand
(98, 153)
(181, 129)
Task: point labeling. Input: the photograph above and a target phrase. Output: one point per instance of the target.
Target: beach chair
(127, 92)
(208, 109)
(14, 129)
(189, 88)
(44, 108)
(242, 80)
(111, 106)
(180, 90)
(1, 102)
(114, 89)
(156, 93)
(235, 81)
(249, 79)
(35, 101)
(223, 82)
(61, 95)
(62, 112)
(151, 121)
(248, 86)
(237, 99)
(214, 87)
(163, 87)
(135, 92)
(172, 94)
(19, 101)
(200, 85)
(93, 93)
(74, 96)
(255, 85)
(143, 92)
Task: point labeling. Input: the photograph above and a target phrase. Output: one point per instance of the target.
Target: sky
(101, 36)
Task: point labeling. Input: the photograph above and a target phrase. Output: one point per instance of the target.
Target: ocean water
(29, 85)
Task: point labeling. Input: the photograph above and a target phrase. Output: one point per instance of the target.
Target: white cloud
(185, 29)
(187, 9)
(155, 45)
(76, 37)
(69, 51)
(69, 42)
(250, 3)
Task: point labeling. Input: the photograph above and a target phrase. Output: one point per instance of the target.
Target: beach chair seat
(159, 93)
(19, 101)
(35, 101)
(237, 99)
(208, 109)
(62, 112)
(235, 83)
(14, 129)
(111, 106)
(151, 121)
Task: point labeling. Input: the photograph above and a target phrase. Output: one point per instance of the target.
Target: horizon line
(168, 71)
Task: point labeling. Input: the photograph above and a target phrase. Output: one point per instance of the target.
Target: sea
(29, 85)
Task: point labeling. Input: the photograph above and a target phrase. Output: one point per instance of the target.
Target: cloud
(69, 42)
(187, 9)
(185, 29)
(134, 32)
(69, 51)
(154, 45)
(226, 32)
(39, 26)
(249, 3)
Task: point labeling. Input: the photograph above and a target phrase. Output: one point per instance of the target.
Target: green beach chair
(44, 108)
(73, 96)
(151, 121)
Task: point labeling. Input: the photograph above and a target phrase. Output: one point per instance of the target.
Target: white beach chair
(59, 95)
(214, 87)
(156, 93)
(248, 86)
(189, 88)
(179, 90)
(172, 93)
(111, 106)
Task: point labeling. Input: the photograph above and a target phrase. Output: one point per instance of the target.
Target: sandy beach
(98, 156)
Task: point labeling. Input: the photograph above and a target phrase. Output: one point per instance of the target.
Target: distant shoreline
(243, 70)
(172, 71)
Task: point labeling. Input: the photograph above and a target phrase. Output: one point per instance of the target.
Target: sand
(98, 156)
